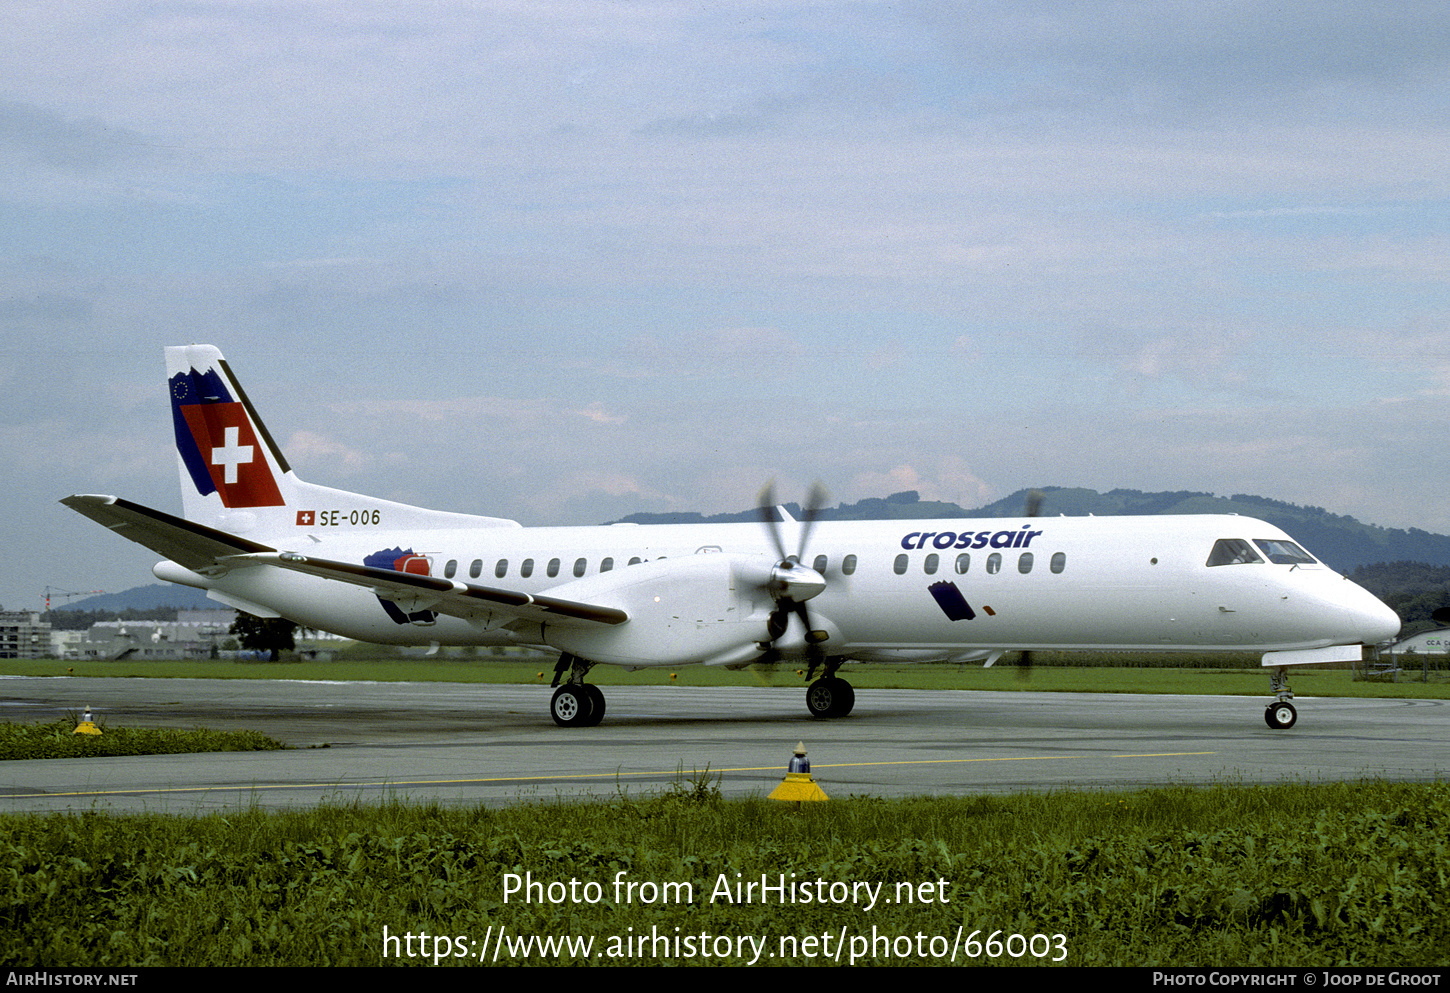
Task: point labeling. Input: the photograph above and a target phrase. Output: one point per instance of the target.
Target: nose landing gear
(1280, 714)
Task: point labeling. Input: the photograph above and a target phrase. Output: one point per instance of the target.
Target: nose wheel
(1280, 714)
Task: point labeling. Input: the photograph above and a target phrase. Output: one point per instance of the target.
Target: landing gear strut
(576, 704)
(1281, 714)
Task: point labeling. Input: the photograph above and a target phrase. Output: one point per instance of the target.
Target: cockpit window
(1282, 552)
(1232, 551)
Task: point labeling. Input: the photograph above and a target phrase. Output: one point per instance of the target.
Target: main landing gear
(829, 696)
(576, 704)
(1280, 714)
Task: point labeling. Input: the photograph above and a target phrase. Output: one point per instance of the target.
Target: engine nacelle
(710, 608)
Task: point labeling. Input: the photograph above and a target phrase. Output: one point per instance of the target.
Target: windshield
(1232, 551)
(1283, 552)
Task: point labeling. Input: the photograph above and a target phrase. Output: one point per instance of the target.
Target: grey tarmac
(495, 744)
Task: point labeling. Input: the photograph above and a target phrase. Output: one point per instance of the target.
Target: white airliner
(257, 538)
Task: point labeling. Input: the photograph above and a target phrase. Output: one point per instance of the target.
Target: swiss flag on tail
(232, 455)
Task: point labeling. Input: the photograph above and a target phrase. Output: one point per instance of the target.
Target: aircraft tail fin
(234, 476)
(228, 459)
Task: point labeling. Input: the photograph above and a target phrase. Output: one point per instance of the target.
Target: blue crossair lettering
(970, 539)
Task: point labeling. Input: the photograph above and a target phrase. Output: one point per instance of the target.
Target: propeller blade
(1034, 503)
(811, 512)
(768, 517)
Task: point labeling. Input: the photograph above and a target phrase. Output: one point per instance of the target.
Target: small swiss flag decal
(306, 518)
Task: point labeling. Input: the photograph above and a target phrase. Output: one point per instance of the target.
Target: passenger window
(450, 568)
(475, 569)
(900, 565)
(553, 568)
(1024, 563)
(819, 564)
(634, 560)
(579, 566)
(606, 565)
(929, 566)
(527, 568)
(1232, 551)
(964, 561)
(848, 565)
(502, 569)
(994, 563)
(1059, 561)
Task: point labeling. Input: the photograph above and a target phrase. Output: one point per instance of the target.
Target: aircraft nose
(1365, 617)
(1377, 622)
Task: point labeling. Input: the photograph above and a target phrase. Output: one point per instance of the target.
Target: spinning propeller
(1032, 508)
(791, 583)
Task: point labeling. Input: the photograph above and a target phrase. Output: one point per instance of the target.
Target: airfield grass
(1290, 875)
(58, 740)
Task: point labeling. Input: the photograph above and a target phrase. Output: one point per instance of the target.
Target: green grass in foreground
(1339, 874)
(58, 740)
(1128, 673)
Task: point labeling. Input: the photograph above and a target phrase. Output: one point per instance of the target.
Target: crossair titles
(970, 539)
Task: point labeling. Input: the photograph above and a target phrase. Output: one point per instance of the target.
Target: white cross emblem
(231, 454)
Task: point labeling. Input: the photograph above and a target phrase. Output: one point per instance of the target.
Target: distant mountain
(1342, 543)
(151, 597)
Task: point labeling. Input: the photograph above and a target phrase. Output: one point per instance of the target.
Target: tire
(571, 707)
(1281, 716)
(826, 698)
(596, 704)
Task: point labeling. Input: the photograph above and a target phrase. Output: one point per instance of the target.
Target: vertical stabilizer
(233, 475)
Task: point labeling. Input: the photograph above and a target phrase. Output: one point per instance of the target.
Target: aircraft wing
(202, 549)
(194, 546)
(416, 592)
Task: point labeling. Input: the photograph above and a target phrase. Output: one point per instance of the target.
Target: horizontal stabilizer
(194, 546)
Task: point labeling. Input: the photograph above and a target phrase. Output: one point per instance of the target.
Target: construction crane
(67, 594)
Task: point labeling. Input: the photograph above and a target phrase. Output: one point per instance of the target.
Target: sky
(561, 262)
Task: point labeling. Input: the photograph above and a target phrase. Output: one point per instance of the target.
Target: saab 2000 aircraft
(257, 538)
